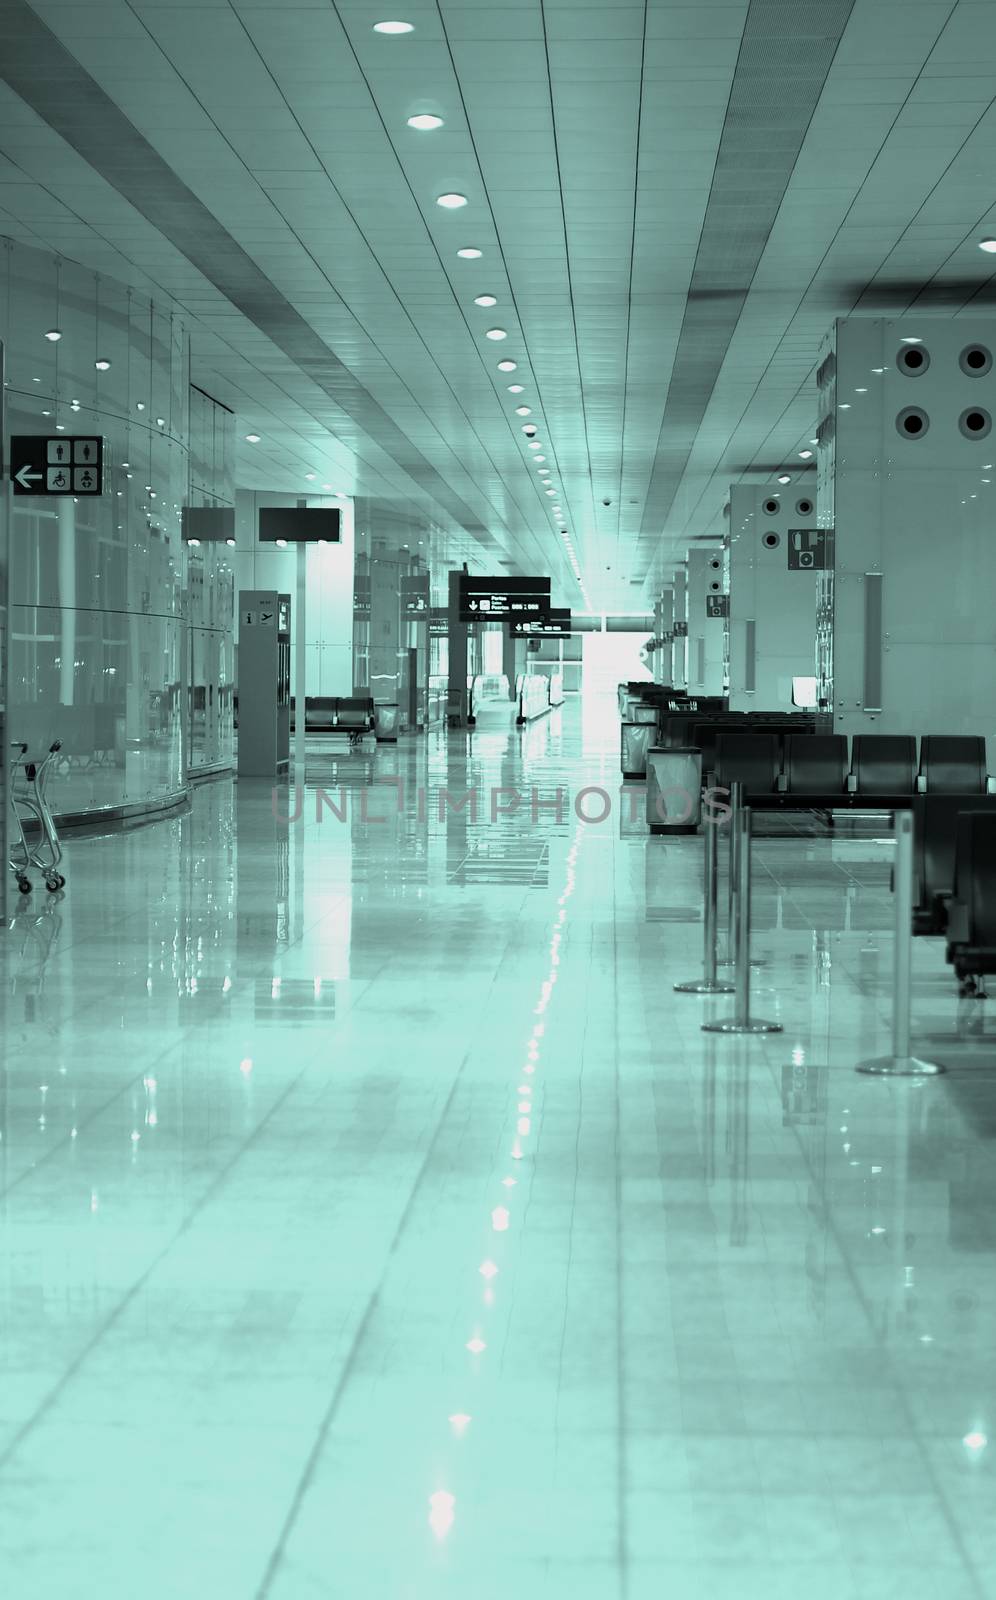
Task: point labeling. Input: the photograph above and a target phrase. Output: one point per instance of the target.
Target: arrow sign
(40, 465)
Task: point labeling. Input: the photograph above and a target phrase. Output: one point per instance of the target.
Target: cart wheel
(53, 885)
(62, 881)
(24, 884)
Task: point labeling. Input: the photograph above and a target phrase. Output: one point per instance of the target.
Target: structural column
(663, 634)
(706, 635)
(388, 657)
(907, 479)
(772, 589)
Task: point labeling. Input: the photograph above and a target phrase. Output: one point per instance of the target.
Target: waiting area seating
(827, 772)
(349, 714)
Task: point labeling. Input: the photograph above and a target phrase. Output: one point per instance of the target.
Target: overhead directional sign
(361, 596)
(681, 630)
(499, 598)
(415, 595)
(60, 466)
(555, 625)
(807, 549)
(439, 622)
(717, 605)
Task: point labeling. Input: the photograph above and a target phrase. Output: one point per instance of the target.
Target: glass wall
(98, 586)
(210, 601)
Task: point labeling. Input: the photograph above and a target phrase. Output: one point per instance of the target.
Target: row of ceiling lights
(428, 122)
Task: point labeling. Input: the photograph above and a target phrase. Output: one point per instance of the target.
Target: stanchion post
(742, 1021)
(901, 1064)
(709, 983)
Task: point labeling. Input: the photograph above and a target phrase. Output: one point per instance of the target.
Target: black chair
(971, 947)
(953, 763)
(935, 834)
(752, 759)
(884, 764)
(816, 765)
(319, 713)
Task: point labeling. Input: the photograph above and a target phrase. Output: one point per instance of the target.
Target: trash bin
(674, 789)
(637, 737)
(386, 718)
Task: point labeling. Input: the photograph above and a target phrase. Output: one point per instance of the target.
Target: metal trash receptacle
(674, 789)
(637, 737)
(386, 718)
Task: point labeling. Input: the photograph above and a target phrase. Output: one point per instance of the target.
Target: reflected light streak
(441, 1513)
(499, 1219)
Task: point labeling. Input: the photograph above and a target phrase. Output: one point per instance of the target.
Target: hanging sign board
(496, 599)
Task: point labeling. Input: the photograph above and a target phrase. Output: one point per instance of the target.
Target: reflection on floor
(379, 1224)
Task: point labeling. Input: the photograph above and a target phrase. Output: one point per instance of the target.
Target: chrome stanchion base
(899, 1067)
(702, 987)
(739, 1025)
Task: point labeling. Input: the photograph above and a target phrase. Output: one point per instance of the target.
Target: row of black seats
(690, 727)
(819, 771)
(954, 869)
(338, 714)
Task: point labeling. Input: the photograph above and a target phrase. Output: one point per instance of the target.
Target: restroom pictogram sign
(64, 465)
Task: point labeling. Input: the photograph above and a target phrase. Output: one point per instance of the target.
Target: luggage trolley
(28, 804)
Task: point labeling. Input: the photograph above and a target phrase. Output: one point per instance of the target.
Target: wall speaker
(913, 359)
(912, 423)
(771, 507)
(975, 360)
(804, 507)
(975, 423)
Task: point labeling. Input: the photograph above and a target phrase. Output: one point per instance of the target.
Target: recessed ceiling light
(310, 476)
(784, 477)
(140, 406)
(252, 438)
(101, 366)
(551, 491)
(230, 542)
(470, 254)
(507, 366)
(194, 543)
(541, 458)
(523, 411)
(910, 341)
(534, 444)
(394, 27)
(516, 388)
(497, 333)
(54, 335)
(451, 202)
(806, 455)
(425, 122)
(988, 245)
(485, 300)
(281, 544)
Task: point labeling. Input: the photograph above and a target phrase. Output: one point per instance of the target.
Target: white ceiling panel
(672, 200)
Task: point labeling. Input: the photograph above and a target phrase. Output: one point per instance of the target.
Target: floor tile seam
(328, 1419)
(73, 1369)
(622, 1461)
(878, 1342)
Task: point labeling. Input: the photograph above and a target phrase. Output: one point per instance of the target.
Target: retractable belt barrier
(741, 1021)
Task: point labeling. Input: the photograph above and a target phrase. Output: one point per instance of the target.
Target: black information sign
(499, 598)
(361, 596)
(415, 595)
(555, 625)
(439, 622)
(717, 605)
(59, 466)
(807, 549)
(681, 630)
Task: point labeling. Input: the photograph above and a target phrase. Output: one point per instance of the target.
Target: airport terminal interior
(498, 697)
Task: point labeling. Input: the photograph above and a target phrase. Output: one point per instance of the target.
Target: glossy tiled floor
(378, 1224)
